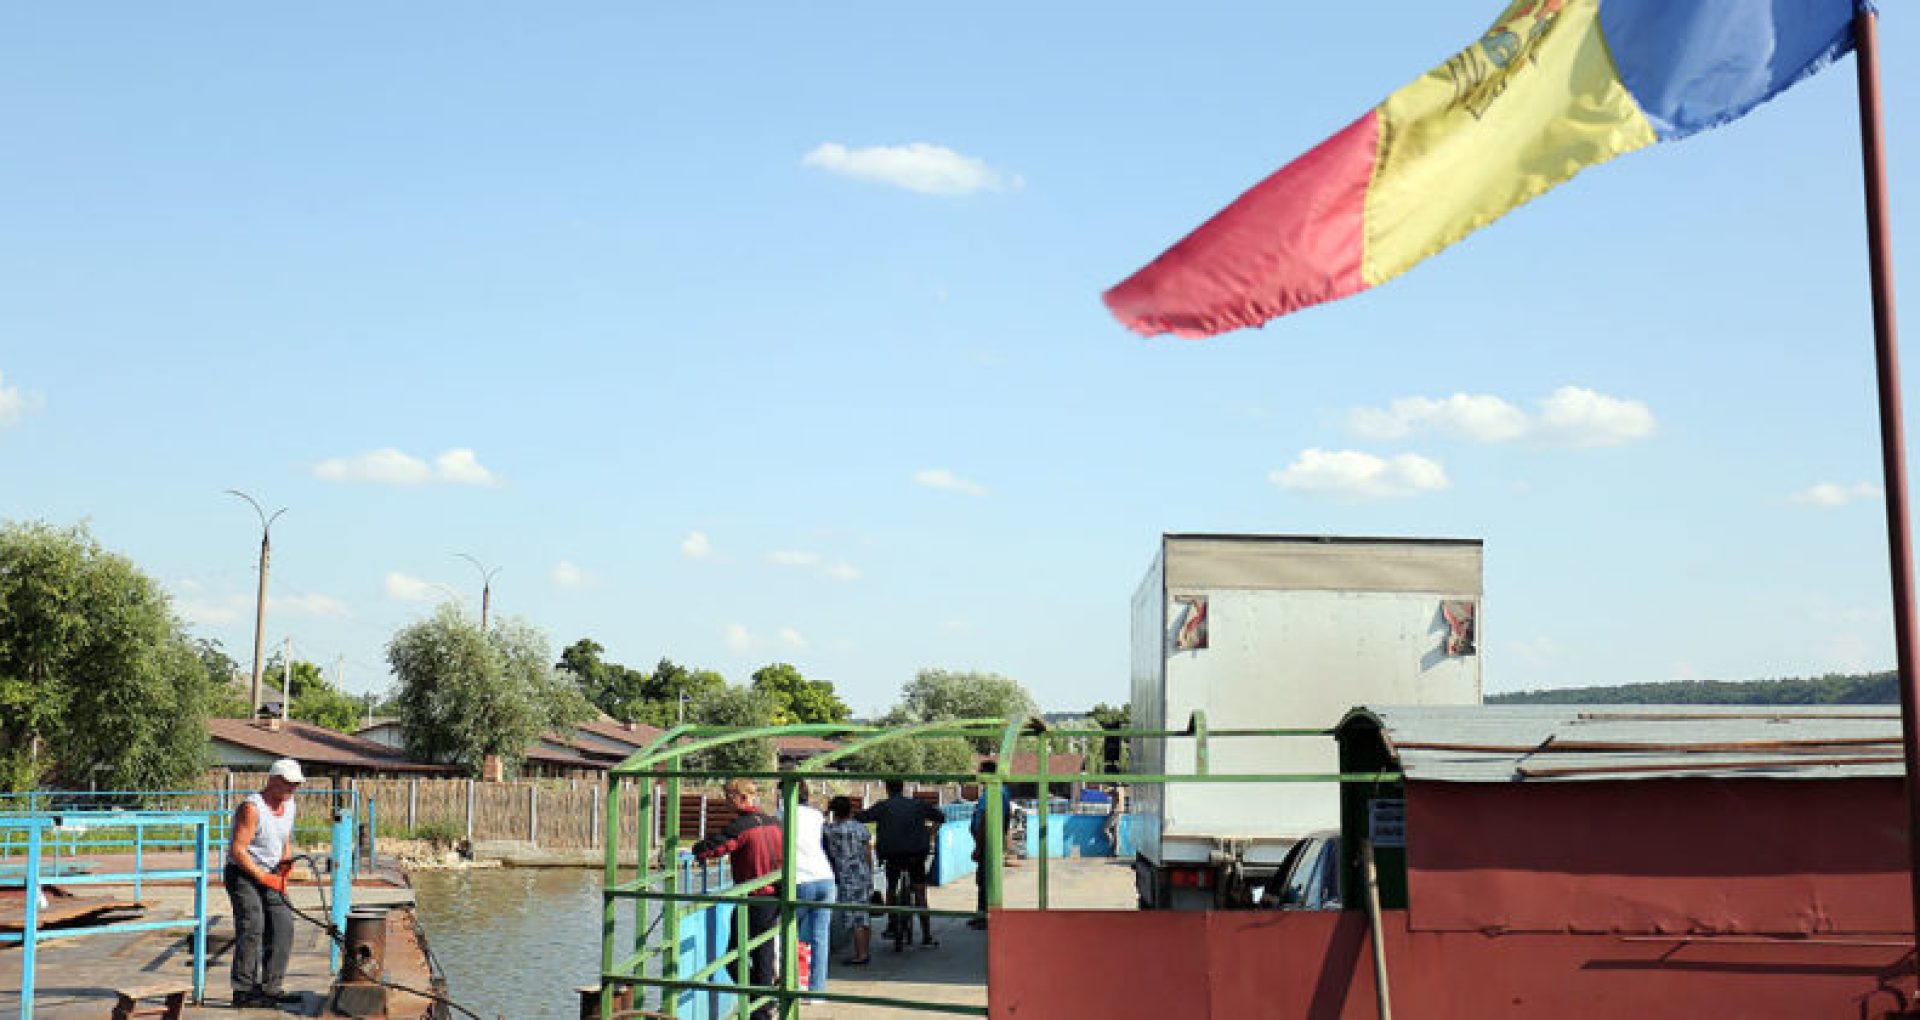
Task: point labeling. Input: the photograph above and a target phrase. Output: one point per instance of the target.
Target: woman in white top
(813, 878)
(259, 858)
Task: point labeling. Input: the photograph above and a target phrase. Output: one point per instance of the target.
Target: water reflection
(515, 942)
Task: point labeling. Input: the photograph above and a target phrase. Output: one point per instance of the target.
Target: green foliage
(937, 694)
(630, 695)
(226, 700)
(313, 699)
(1831, 689)
(737, 706)
(98, 682)
(440, 834)
(465, 693)
(797, 699)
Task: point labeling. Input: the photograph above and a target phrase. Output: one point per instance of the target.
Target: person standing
(850, 849)
(900, 823)
(753, 847)
(1116, 810)
(978, 829)
(814, 883)
(259, 859)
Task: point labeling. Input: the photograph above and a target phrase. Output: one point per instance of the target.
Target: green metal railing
(659, 770)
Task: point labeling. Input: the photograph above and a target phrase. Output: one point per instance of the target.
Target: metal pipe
(1893, 455)
(1045, 803)
(1693, 766)
(1381, 998)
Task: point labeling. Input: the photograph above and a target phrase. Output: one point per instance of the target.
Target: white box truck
(1270, 632)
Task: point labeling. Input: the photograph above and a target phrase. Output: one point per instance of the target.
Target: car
(1309, 877)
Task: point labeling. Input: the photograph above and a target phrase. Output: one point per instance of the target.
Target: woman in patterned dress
(850, 850)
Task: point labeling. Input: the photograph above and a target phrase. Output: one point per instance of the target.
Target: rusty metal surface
(1315, 966)
(1659, 857)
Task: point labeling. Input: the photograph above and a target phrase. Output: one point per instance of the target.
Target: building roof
(1063, 766)
(313, 745)
(808, 746)
(561, 759)
(1535, 743)
(634, 735)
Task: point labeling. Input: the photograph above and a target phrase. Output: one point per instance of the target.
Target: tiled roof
(1028, 764)
(811, 745)
(607, 729)
(316, 745)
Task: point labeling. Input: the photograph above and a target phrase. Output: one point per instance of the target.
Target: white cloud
(793, 558)
(15, 403)
(696, 546)
(918, 166)
(1481, 417)
(840, 572)
(567, 575)
(1834, 494)
(941, 478)
(1574, 416)
(204, 613)
(460, 466)
(738, 638)
(307, 605)
(1352, 474)
(1570, 416)
(412, 589)
(792, 638)
(388, 466)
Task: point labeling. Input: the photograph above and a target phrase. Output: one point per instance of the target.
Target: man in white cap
(259, 859)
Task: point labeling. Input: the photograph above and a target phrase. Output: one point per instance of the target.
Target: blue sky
(738, 335)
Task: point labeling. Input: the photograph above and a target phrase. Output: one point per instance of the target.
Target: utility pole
(260, 603)
(286, 678)
(486, 585)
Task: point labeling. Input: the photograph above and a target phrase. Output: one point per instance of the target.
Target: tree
(797, 699)
(737, 706)
(225, 698)
(618, 691)
(98, 681)
(313, 699)
(937, 694)
(465, 693)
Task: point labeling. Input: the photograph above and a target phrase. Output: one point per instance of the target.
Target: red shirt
(754, 844)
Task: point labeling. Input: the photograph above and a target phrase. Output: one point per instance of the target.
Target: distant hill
(1832, 689)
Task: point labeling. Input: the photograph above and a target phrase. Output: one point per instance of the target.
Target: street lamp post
(486, 585)
(260, 602)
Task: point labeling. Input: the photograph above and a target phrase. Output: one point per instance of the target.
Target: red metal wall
(1659, 856)
(1102, 965)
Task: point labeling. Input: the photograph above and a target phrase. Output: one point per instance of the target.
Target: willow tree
(465, 693)
(99, 684)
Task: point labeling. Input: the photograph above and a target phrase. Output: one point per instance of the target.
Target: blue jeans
(816, 926)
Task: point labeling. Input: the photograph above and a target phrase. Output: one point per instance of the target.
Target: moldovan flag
(1553, 87)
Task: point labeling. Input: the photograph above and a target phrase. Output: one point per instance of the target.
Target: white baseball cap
(287, 769)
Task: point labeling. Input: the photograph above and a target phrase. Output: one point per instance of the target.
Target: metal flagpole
(1893, 453)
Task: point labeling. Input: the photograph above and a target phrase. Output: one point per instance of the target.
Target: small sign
(1387, 822)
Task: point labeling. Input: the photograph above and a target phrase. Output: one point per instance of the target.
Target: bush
(440, 834)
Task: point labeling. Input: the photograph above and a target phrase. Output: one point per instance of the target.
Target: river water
(514, 942)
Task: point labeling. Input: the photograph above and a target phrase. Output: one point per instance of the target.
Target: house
(328, 757)
(585, 752)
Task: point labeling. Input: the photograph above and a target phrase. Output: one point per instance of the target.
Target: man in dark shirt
(901, 840)
(753, 846)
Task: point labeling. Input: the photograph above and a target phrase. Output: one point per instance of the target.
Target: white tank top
(272, 833)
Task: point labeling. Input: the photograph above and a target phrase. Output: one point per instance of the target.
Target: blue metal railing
(39, 846)
(36, 828)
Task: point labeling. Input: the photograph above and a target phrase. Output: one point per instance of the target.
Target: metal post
(413, 805)
(1382, 1001)
(139, 854)
(373, 835)
(1893, 458)
(469, 811)
(1046, 808)
(743, 970)
(533, 813)
(610, 908)
(670, 863)
(342, 879)
(790, 978)
(260, 600)
(30, 925)
(993, 855)
(200, 848)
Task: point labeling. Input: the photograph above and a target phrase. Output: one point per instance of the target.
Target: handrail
(818, 763)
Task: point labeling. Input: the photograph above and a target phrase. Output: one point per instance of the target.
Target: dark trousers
(261, 917)
(763, 971)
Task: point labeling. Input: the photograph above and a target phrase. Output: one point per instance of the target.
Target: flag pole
(1893, 453)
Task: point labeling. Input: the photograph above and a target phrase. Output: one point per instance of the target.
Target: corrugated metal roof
(1534, 743)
